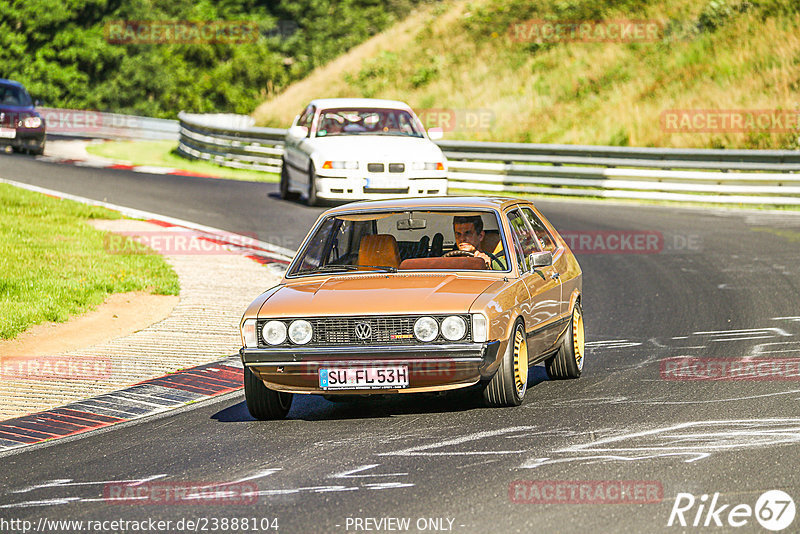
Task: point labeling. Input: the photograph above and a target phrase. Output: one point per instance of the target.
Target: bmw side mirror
(540, 259)
(298, 131)
(434, 134)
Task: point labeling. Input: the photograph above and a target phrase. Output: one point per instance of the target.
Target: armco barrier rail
(99, 125)
(699, 175)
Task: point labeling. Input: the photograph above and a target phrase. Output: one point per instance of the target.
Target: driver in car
(471, 239)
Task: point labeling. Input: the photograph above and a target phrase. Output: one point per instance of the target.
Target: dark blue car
(21, 127)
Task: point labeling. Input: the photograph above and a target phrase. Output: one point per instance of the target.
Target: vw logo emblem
(363, 331)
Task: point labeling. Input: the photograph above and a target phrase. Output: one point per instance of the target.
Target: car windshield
(404, 240)
(11, 95)
(367, 121)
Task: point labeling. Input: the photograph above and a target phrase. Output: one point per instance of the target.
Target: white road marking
(351, 473)
(422, 450)
(694, 440)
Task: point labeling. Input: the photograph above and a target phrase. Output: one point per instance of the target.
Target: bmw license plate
(8, 133)
(364, 378)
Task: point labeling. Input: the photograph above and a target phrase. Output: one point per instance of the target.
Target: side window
(546, 241)
(524, 241)
(306, 118)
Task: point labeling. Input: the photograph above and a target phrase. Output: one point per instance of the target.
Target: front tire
(312, 186)
(286, 194)
(568, 361)
(508, 385)
(262, 402)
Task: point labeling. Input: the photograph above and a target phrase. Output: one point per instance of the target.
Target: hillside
(468, 61)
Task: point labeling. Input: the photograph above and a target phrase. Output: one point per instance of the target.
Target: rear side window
(546, 241)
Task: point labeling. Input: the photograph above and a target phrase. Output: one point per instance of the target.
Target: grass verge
(53, 265)
(163, 154)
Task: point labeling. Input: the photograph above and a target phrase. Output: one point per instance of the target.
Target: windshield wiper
(337, 267)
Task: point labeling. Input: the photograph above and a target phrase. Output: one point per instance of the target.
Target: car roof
(327, 103)
(11, 82)
(429, 203)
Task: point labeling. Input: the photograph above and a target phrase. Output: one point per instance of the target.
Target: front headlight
(300, 332)
(426, 329)
(340, 165)
(428, 166)
(274, 332)
(32, 122)
(249, 338)
(454, 328)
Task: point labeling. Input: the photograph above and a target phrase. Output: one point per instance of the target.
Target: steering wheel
(471, 254)
(457, 253)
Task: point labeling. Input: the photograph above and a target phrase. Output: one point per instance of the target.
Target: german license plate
(364, 378)
(384, 183)
(8, 133)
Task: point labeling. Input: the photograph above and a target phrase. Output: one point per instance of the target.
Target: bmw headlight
(300, 332)
(340, 165)
(454, 328)
(427, 166)
(32, 122)
(274, 332)
(426, 329)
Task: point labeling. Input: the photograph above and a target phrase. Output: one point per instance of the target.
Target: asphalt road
(722, 284)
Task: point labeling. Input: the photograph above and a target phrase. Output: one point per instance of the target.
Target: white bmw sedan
(361, 148)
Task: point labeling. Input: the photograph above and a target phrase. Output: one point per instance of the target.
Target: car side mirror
(298, 131)
(434, 134)
(37, 103)
(540, 259)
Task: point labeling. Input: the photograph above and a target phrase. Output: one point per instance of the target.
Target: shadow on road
(318, 408)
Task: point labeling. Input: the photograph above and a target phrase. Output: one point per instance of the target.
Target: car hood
(376, 148)
(376, 294)
(12, 114)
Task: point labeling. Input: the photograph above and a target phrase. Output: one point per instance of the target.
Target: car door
(542, 311)
(296, 151)
(547, 242)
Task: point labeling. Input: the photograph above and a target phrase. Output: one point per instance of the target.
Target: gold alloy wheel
(578, 336)
(520, 361)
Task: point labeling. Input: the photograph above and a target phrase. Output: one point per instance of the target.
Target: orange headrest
(379, 249)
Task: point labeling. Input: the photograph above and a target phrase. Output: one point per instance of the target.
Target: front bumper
(348, 184)
(431, 367)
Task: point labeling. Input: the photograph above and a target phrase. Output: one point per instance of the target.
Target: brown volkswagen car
(417, 295)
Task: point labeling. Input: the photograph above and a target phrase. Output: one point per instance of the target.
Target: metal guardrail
(699, 175)
(99, 125)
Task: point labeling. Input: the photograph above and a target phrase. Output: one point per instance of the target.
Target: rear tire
(262, 402)
(568, 361)
(508, 385)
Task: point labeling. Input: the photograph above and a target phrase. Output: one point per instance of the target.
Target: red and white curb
(260, 251)
(146, 398)
(151, 396)
(100, 164)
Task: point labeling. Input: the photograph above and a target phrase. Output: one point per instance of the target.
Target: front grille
(375, 167)
(385, 330)
(397, 167)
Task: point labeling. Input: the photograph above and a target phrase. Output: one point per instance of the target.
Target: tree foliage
(59, 49)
